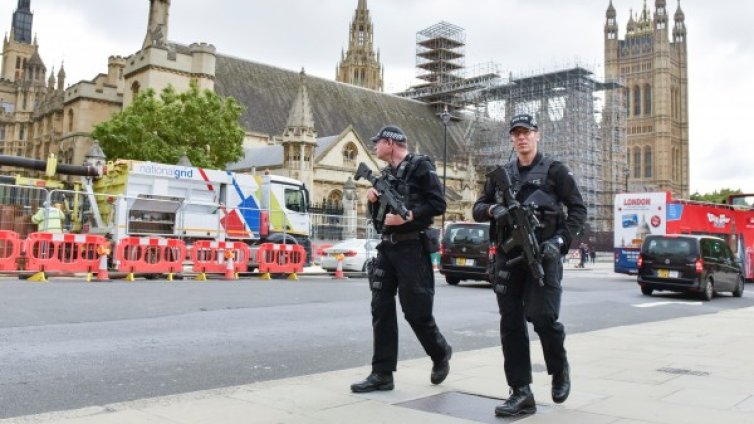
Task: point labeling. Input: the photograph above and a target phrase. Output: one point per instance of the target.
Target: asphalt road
(68, 344)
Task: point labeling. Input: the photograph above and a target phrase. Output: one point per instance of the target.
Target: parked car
(356, 252)
(688, 263)
(465, 252)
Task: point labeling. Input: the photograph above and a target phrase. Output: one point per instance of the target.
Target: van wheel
(738, 291)
(647, 291)
(452, 280)
(709, 290)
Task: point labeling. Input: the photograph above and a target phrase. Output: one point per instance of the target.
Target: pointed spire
(679, 16)
(300, 119)
(51, 80)
(61, 77)
(610, 13)
(358, 66)
(630, 26)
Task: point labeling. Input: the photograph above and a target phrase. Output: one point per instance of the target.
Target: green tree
(196, 122)
(717, 196)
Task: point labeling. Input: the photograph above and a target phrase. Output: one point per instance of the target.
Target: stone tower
(157, 28)
(20, 47)
(300, 138)
(159, 64)
(360, 65)
(653, 68)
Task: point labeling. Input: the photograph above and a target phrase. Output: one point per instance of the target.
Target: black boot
(374, 381)
(561, 385)
(521, 401)
(441, 369)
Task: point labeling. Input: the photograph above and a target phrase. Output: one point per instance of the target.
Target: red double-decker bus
(640, 214)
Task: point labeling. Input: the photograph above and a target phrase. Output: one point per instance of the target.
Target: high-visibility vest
(55, 219)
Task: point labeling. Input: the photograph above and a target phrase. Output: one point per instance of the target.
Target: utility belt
(398, 237)
(429, 237)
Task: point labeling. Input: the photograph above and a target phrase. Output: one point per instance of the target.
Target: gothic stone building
(320, 144)
(651, 62)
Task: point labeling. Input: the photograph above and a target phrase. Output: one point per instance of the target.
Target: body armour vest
(535, 189)
(401, 181)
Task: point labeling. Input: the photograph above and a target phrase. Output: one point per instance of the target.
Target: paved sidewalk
(688, 370)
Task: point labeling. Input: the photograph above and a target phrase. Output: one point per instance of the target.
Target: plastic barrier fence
(150, 255)
(281, 258)
(10, 249)
(63, 252)
(210, 256)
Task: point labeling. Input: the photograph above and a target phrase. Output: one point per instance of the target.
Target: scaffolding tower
(440, 61)
(579, 128)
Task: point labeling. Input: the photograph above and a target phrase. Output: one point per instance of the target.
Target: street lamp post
(445, 116)
(626, 172)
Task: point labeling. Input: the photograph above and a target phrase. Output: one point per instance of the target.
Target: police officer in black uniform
(519, 297)
(403, 264)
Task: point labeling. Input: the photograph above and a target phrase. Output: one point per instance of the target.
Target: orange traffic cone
(339, 270)
(230, 269)
(102, 274)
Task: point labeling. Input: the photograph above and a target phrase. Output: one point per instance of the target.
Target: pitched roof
(268, 93)
(272, 155)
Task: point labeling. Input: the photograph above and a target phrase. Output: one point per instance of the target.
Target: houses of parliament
(315, 129)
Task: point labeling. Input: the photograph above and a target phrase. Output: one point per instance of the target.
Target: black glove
(498, 212)
(551, 248)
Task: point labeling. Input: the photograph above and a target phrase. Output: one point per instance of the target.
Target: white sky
(523, 36)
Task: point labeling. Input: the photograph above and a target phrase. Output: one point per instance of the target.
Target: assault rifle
(520, 221)
(389, 198)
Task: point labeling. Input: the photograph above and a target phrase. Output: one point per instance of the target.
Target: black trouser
(524, 300)
(406, 269)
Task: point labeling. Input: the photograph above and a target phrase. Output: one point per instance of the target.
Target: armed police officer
(545, 185)
(403, 264)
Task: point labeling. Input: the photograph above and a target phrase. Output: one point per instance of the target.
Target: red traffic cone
(339, 270)
(102, 274)
(230, 269)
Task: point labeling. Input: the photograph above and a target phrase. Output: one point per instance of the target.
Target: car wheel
(452, 280)
(709, 290)
(647, 291)
(367, 267)
(738, 291)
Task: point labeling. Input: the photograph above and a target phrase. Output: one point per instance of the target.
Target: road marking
(653, 304)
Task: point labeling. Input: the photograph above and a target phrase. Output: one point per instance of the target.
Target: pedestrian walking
(403, 265)
(520, 298)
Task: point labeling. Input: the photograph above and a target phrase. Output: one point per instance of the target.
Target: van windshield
(670, 247)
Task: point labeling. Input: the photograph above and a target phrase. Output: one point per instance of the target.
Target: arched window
(349, 153)
(135, 87)
(70, 120)
(637, 100)
(334, 198)
(647, 99)
(637, 162)
(647, 162)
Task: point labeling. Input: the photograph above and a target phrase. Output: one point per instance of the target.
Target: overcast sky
(523, 36)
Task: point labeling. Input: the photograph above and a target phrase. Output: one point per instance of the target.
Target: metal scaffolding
(579, 128)
(582, 120)
(440, 61)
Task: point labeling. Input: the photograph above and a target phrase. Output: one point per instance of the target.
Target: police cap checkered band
(524, 120)
(389, 131)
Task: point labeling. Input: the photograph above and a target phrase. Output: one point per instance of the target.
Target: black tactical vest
(401, 180)
(537, 189)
